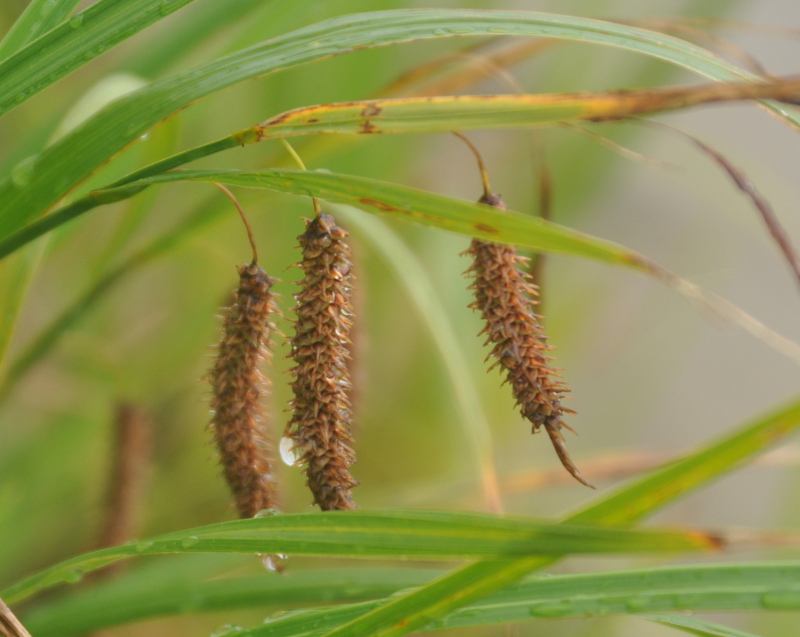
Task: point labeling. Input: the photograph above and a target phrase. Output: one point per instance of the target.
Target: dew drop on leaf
(74, 576)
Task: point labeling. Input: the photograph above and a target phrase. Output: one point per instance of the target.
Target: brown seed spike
(321, 415)
(238, 387)
(505, 297)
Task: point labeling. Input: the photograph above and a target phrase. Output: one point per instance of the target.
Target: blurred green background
(650, 374)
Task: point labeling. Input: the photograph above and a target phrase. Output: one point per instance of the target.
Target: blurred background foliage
(650, 375)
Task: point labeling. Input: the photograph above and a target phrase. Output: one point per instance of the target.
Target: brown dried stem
(246, 223)
(321, 415)
(743, 183)
(9, 624)
(239, 387)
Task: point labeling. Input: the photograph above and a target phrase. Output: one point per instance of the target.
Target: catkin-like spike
(505, 296)
(239, 386)
(321, 415)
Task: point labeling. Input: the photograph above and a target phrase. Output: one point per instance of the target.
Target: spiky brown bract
(505, 297)
(238, 388)
(321, 415)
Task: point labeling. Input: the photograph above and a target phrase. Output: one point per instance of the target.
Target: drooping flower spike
(239, 388)
(321, 414)
(505, 296)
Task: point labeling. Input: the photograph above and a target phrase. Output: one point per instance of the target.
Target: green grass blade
(642, 497)
(698, 627)
(67, 47)
(122, 601)
(59, 168)
(702, 587)
(463, 112)
(430, 209)
(410, 612)
(38, 18)
(388, 534)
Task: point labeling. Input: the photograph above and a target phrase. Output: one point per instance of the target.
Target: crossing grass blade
(390, 534)
(403, 615)
(30, 192)
(38, 18)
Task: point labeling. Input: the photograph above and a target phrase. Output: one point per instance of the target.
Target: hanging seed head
(321, 416)
(238, 389)
(505, 296)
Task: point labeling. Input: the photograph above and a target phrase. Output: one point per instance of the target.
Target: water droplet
(288, 452)
(227, 629)
(273, 563)
(266, 513)
(498, 30)
(189, 542)
(74, 576)
(461, 30)
(552, 609)
(141, 547)
(439, 32)
(76, 20)
(781, 599)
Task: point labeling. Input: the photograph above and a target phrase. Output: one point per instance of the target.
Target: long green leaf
(434, 210)
(39, 17)
(389, 534)
(82, 38)
(30, 192)
(436, 600)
